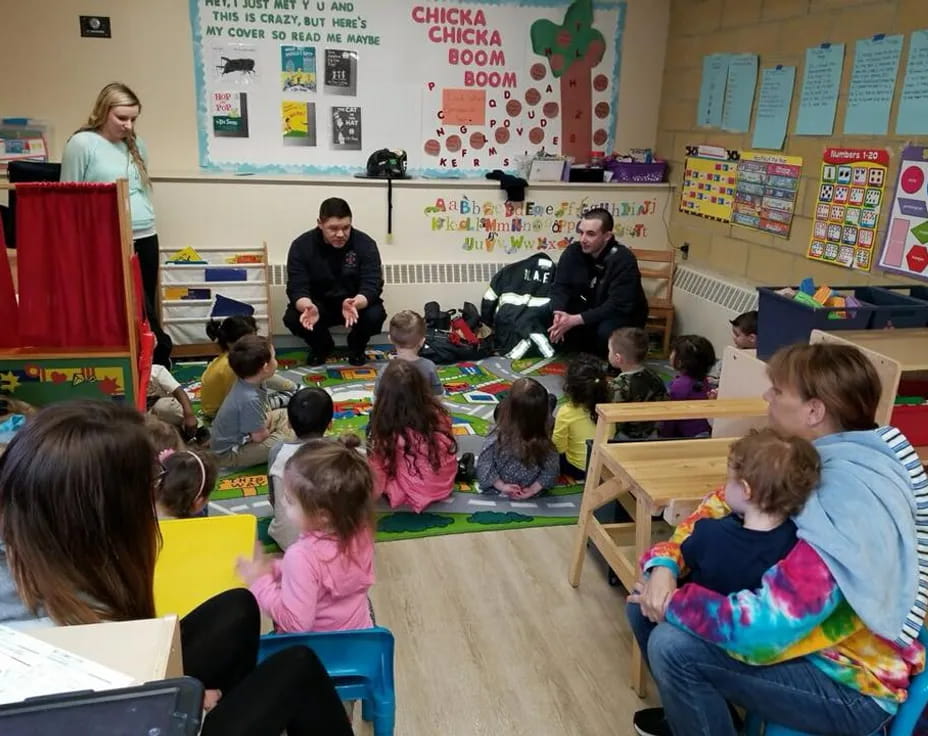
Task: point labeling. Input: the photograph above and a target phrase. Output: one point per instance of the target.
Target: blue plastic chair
(360, 664)
(903, 724)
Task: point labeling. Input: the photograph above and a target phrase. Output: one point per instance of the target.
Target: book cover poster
(235, 64)
(341, 72)
(230, 114)
(299, 123)
(346, 128)
(298, 68)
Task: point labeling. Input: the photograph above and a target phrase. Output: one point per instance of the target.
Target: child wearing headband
(183, 487)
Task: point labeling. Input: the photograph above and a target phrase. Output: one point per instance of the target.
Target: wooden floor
(491, 639)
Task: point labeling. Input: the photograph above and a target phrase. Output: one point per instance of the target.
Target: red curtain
(71, 291)
(146, 336)
(9, 322)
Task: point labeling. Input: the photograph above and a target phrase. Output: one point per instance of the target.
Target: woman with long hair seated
(81, 538)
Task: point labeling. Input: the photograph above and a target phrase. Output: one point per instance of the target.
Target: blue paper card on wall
(712, 90)
(776, 98)
(739, 93)
(821, 81)
(913, 106)
(873, 81)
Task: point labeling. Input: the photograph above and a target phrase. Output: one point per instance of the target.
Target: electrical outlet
(685, 250)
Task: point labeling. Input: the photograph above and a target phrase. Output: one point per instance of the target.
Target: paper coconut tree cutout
(572, 50)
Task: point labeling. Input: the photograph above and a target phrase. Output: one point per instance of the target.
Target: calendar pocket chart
(847, 214)
(765, 193)
(709, 186)
(905, 249)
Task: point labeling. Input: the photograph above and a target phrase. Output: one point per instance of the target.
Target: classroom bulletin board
(315, 86)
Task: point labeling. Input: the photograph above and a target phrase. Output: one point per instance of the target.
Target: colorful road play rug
(472, 392)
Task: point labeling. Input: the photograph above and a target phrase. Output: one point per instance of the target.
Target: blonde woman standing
(107, 149)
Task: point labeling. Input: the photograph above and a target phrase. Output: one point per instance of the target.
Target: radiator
(705, 302)
(407, 286)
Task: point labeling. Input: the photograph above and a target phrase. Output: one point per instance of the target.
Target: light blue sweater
(865, 523)
(88, 156)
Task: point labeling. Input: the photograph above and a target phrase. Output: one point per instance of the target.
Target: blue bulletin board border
(203, 121)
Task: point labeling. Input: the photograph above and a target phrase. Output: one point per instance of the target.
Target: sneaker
(357, 359)
(278, 399)
(465, 472)
(651, 722)
(201, 438)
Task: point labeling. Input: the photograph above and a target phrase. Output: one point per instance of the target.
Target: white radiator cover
(705, 302)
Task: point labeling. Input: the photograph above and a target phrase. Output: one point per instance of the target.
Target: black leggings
(290, 690)
(147, 251)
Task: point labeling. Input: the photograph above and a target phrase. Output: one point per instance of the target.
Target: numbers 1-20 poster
(847, 214)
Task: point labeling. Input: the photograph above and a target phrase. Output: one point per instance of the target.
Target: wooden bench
(647, 478)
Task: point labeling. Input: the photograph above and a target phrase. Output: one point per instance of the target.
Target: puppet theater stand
(77, 328)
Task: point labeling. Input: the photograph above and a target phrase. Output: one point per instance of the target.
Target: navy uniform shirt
(327, 274)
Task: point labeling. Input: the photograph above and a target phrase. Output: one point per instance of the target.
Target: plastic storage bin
(912, 421)
(782, 321)
(904, 310)
(627, 172)
(912, 292)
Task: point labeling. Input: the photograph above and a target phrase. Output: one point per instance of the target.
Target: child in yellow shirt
(218, 378)
(585, 386)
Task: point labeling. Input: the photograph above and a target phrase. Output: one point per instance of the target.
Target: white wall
(229, 211)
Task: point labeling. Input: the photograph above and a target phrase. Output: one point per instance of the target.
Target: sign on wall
(906, 246)
(477, 223)
(315, 86)
(847, 214)
(765, 194)
(710, 180)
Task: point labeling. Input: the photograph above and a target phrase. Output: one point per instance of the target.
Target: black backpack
(450, 337)
(387, 164)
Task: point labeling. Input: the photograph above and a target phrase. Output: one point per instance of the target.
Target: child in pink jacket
(322, 581)
(411, 448)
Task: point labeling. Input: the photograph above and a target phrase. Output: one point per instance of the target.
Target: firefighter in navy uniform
(518, 307)
(334, 277)
(597, 288)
